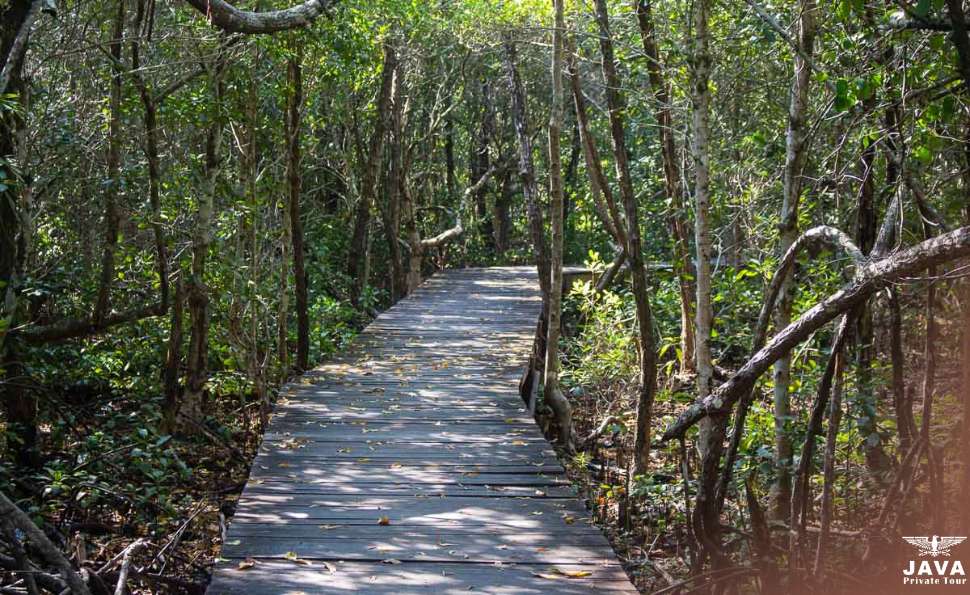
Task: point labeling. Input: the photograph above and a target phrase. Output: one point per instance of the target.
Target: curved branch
(871, 277)
(227, 17)
(450, 234)
(823, 235)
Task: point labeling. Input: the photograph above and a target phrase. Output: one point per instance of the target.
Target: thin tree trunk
(828, 472)
(482, 163)
(398, 196)
(358, 256)
(677, 216)
(536, 227)
(112, 218)
(150, 122)
(638, 273)
(283, 311)
(294, 179)
(866, 228)
(20, 406)
(552, 394)
(450, 182)
(801, 496)
(198, 293)
(604, 205)
(173, 356)
(795, 145)
(905, 424)
(706, 523)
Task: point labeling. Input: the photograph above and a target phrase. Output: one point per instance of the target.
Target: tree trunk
(20, 406)
(552, 394)
(902, 406)
(638, 273)
(395, 209)
(795, 141)
(866, 228)
(712, 430)
(357, 264)
(828, 472)
(536, 227)
(481, 163)
(450, 184)
(294, 180)
(150, 123)
(677, 220)
(196, 375)
(604, 205)
(283, 310)
(500, 214)
(112, 218)
(173, 356)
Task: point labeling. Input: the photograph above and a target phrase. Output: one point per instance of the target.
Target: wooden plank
(272, 577)
(415, 548)
(578, 533)
(424, 490)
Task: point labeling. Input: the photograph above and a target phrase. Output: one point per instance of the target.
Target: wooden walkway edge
(410, 465)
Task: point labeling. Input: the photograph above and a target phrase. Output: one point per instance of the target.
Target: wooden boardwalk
(410, 465)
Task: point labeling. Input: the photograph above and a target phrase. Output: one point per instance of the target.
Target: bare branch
(450, 234)
(227, 17)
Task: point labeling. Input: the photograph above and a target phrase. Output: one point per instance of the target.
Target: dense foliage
(193, 213)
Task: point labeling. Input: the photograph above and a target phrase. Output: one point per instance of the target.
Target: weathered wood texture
(419, 422)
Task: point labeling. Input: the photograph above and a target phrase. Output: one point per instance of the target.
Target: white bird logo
(935, 546)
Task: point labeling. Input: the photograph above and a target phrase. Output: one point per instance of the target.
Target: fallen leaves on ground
(247, 564)
(296, 559)
(558, 573)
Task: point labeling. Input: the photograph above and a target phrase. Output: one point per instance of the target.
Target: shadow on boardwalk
(409, 464)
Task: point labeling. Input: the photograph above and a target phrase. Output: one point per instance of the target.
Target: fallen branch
(130, 551)
(821, 236)
(76, 328)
